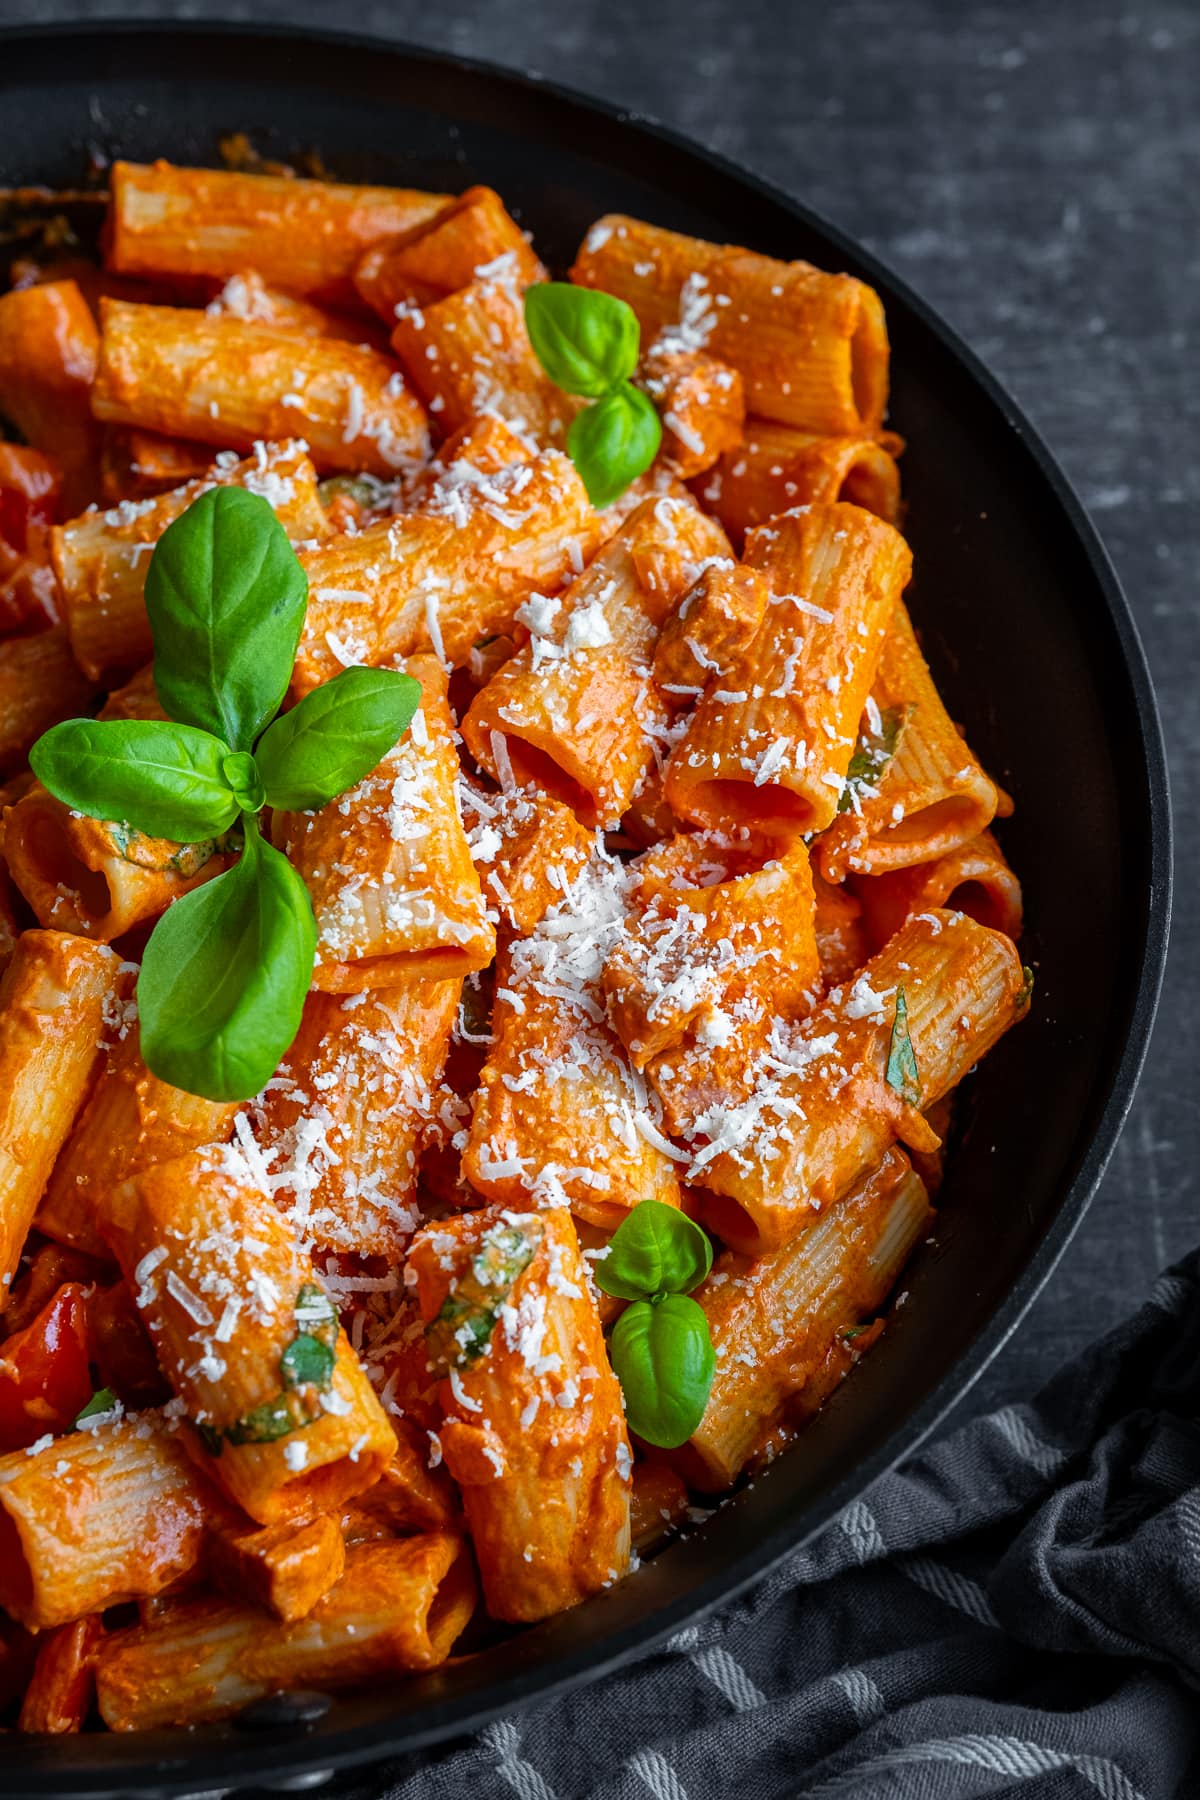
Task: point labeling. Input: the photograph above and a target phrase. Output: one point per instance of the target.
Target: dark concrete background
(1032, 168)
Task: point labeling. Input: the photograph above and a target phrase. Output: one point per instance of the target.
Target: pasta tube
(811, 348)
(284, 1568)
(345, 1117)
(247, 1338)
(922, 791)
(101, 558)
(232, 383)
(48, 352)
(816, 1107)
(95, 878)
(474, 236)
(533, 1429)
(701, 404)
(576, 710)
(137, 463)
(775, 468)
(129, 1121)
(470, 354)
(448, 574)
(773, 1319)
(306, 236)
(716, 931)
(97, 1518)
(527, 848)
(387, 865)
(59, 1697)
(52, 1003)
(973, 878)
(843, 943)
(399, 1606)
(559, 1116)
(40, 685)
(770, 742)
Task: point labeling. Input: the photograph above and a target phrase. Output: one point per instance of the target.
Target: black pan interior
(1035, 652)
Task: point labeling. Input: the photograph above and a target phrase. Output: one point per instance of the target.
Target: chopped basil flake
(307, 1362)
(306, 1371)
(463, 1328)
(902, 1072)
(872, 753)
(275, 1419)
(102, 1401)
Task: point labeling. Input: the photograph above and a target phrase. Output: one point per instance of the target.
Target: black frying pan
(1034, 649)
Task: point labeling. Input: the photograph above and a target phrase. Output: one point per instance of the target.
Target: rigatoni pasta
(306, 236)
(395, 892)
(234, 382)
(97, 1518)
(532, 1430)
(101, 558)
(233, 1306)
(770, 742)
(922, 791)
(811, 348)
(53, 998)
(398, 1606)
(679, 887)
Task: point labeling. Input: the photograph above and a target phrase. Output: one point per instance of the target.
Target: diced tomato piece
(45, 1380)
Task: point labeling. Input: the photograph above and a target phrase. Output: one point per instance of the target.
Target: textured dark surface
(1034, 171)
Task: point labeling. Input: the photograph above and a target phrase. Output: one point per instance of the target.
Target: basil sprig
(661, 1349)
(588, 344)
(227, 968)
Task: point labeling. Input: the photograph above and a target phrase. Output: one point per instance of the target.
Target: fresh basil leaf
(226, 595)
(586, 341)
(664, 1359)
(335, 736)
(102, 1401)
(613, 442)
(165, 780)
(655, 1250)
(225, 975)
(902, 1072)
(1026, 993)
